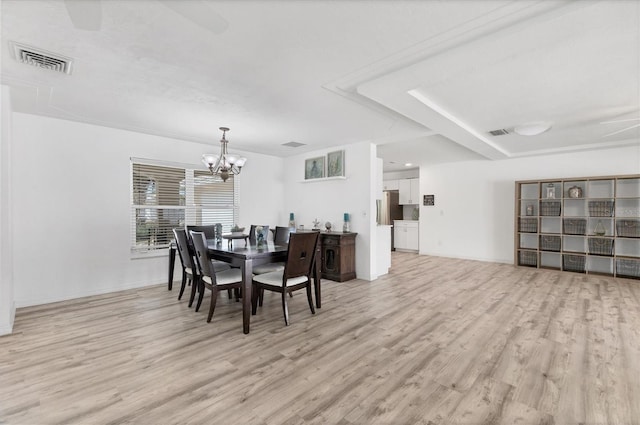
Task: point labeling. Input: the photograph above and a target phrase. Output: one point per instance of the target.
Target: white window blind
(166, 197)
(213, 201)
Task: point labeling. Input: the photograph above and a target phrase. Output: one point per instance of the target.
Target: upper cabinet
(390, 185)
(409, 191)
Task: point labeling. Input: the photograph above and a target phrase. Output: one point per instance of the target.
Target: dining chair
(281, 235)
(208, 230)
(189, 271)
(211, 279)
(209, 233)
(297, 273)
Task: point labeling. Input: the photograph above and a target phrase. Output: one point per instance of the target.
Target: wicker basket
(574, 226)
(549, 243)
(528, 225)
(628, 228)
(550, 208)
(573, 263)
(601, 246)
(628, 268)
(600, 208)
(528, 258)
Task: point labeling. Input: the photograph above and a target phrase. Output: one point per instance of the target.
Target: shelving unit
(585, 225)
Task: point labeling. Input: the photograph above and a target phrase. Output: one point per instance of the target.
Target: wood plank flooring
(437, 341)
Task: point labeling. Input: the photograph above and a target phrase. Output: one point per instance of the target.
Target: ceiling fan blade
(620, 131)
(200, 13)
(85, 14)
(617, 121)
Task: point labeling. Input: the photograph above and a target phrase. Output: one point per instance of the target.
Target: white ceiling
(425, 80)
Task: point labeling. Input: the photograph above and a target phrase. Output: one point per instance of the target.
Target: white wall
(473, 216)
(71, 205)
(7, 305)
(328, 200)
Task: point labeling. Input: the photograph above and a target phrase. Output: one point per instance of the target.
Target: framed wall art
(335, 164)
(314, 168)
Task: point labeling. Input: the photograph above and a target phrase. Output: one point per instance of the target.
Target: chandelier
(226, 163)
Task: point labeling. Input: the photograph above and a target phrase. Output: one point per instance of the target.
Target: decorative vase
(551, 191)
(530, 209)
(599, 230)
(218, 233)
(327, 226)
(345, 225)
(260, 237)
(575, 192)
(292, 222)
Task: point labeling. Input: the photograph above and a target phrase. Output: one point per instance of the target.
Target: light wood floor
(437, 341)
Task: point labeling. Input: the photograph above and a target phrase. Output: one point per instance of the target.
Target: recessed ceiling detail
(41, 58)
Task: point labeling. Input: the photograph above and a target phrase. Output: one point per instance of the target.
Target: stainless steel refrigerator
(389, 209)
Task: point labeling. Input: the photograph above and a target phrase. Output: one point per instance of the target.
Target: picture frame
(314, 168)
(335, 164)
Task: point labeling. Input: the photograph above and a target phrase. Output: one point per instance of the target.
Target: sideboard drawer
(330, 240)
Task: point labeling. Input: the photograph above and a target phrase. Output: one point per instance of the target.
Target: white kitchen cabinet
(409, 191)
(390, 185)
(405, 235)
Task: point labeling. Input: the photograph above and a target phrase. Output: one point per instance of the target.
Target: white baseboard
(7, 328)
(28, 302)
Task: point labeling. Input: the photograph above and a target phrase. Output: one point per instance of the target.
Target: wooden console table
(338, 255)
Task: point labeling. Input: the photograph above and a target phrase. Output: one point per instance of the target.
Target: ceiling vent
(41, 58)
(499, 132)
(293, 144)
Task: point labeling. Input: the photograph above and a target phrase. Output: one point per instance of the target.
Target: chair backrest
(186, 256)
(281, 236)
(209, 230)
(302, 252)
(252, 232)
(202, 255)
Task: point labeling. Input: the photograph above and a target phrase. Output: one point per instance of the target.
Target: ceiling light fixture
(533, 128)
(225, 164)
(408, 164)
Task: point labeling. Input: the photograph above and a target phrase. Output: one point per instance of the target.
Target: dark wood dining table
(246, 256)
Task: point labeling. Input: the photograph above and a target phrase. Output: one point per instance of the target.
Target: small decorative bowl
(237, 231)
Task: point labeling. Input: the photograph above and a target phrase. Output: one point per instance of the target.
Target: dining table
(249, 255)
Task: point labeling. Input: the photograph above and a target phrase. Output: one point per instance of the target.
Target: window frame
(189, 206)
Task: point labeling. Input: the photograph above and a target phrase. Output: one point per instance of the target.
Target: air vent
(500, 132)
(293, 144)
(41, 58)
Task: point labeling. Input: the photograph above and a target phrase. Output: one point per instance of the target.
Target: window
(165, 197)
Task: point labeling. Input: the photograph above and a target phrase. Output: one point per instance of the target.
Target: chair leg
(201, 296)
(285, 310)
(309, 298)
(182, 285)
(254, 299)
(230, 293)
(212, 307)
(261, 297)
(193, 293)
